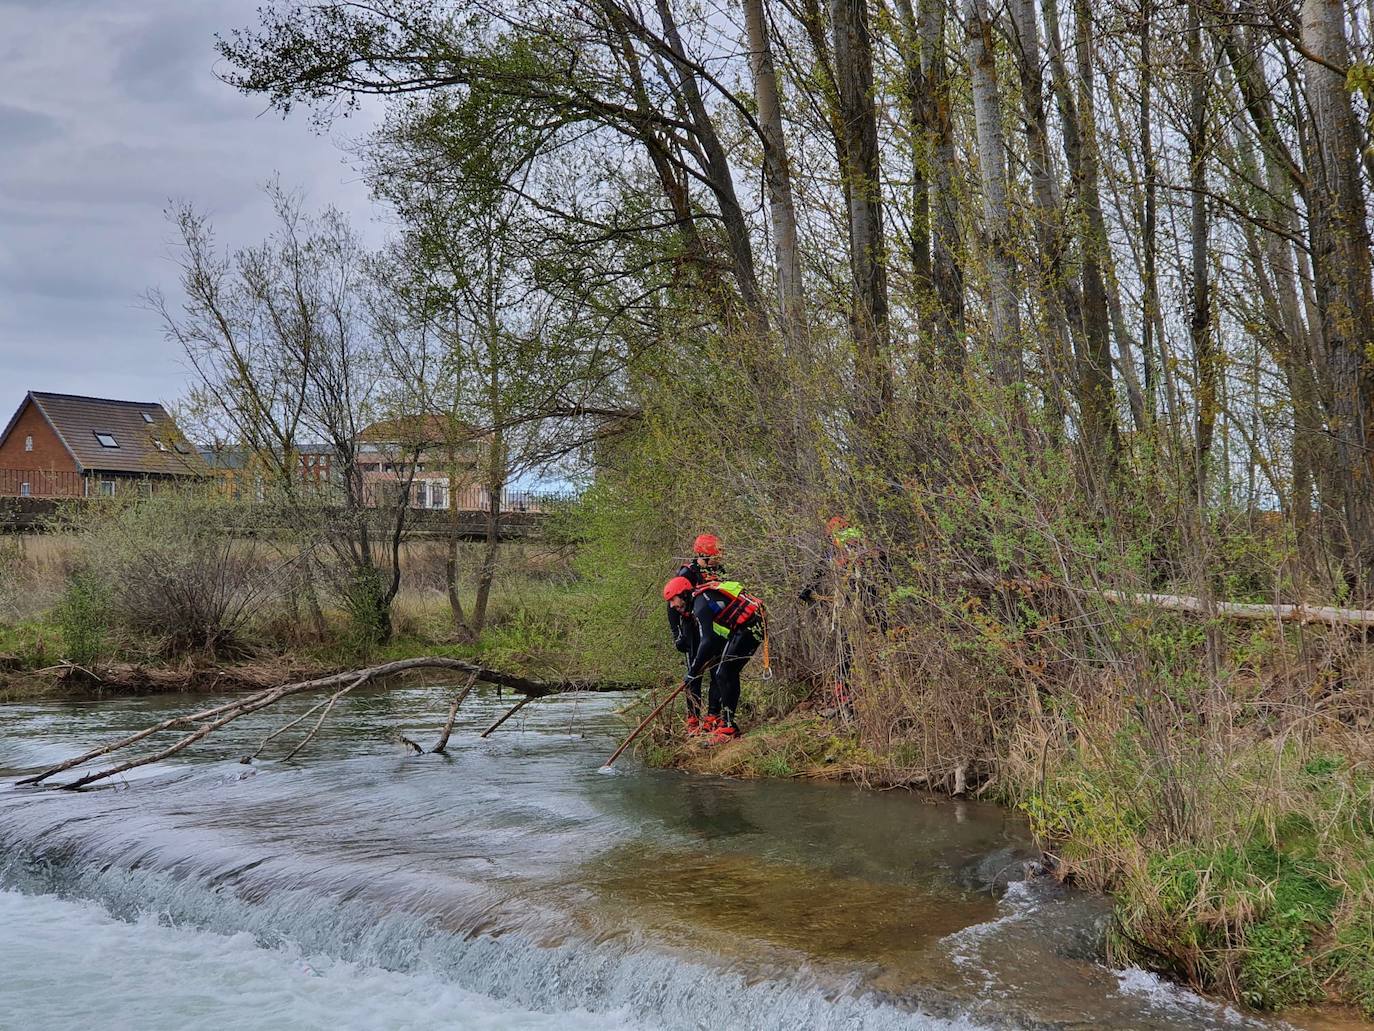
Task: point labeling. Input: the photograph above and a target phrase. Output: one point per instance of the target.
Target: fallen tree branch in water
(209, 720)
(442, 744)
(507, 715)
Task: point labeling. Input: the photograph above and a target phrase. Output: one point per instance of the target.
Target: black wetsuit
(686, 634)
(733, 651)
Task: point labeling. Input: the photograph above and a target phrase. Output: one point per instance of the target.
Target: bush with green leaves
(83, 618)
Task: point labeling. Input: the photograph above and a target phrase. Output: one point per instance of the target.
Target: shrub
(178, 572)
(83, 619)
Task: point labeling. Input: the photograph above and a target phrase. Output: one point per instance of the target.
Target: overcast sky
(108, 109)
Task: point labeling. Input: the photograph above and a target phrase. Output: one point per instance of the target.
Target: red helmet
(677, 585)
(706, 544)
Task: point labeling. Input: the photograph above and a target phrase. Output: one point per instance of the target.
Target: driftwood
(507, 715)
(1329, 614)
(206, 721)
(442, 745)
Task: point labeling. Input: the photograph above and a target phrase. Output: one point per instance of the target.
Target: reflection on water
(511, 868)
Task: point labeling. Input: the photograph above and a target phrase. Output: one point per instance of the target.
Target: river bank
(512, 869)
(1234, 832)
(1267, 903)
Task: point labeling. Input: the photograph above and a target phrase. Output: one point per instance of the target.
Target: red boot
(724, 732)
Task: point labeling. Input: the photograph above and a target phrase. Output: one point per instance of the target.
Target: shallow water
(510, 884)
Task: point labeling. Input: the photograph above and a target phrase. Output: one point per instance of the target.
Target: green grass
(30, 644)
(1251, 875)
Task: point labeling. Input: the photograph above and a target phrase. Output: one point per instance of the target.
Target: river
(509, 884)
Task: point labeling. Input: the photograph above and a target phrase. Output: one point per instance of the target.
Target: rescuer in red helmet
(703, 568)
(731, 628)
(705, 565)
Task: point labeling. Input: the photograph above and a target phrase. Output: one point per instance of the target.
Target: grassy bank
(1241, 859)
(55, 637)
(1216, 778)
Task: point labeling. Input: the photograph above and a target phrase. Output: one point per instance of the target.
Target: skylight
(147, 417)
(106, 439)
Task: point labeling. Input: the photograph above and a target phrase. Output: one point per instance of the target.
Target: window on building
(107, 488)
(24, 491)
(28, 442)
(105, 439)
(421, 494)
(438, 495)
(148, 417)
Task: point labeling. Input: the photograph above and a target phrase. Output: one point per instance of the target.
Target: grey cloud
(112, 110)
(20, 127)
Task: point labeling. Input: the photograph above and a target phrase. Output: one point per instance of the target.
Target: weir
(512, 883)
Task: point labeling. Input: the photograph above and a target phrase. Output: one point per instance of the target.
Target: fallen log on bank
(206, 721)
(1330, 614)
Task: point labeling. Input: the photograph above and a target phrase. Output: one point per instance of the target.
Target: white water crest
(69, 965)
(510, 883)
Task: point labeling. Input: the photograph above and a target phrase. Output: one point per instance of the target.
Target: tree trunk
(946, 270)
(1058, 295)
(1341, 268)
(777, 175)
(1149, 242)
(455, 601)
(490, 554)
(858, 119)
(1206, 356)
(1098, 394)
(1097, 403)
(1006, 359)
(920, 115)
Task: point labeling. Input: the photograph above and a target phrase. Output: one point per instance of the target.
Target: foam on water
(652, 988)
(70, 964)
(1164, 995)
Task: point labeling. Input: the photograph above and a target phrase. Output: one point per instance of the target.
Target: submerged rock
(996, 870)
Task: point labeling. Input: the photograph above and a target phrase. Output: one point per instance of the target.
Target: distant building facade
(68, 445)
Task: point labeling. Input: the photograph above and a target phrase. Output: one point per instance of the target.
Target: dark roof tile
(78, 419)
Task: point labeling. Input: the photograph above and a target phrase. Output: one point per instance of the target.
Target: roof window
(147, 417)
(105, 439)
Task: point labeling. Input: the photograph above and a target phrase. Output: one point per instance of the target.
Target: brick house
(446, 454)
(65, 445)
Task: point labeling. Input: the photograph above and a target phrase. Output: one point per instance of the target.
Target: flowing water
(510, 884)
